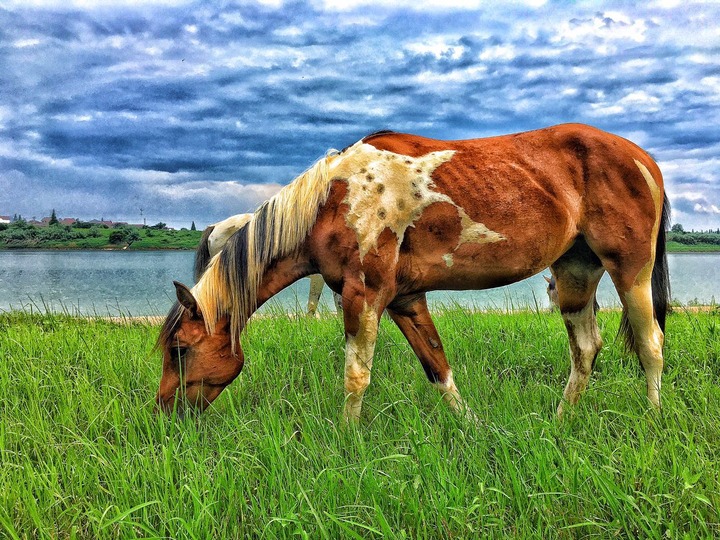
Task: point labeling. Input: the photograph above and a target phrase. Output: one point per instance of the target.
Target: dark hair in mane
(202, 254)
(377, 134)
(169, 327)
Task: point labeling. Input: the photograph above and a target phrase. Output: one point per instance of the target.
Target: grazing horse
(213, 239)
(396, 215)
(552, 292)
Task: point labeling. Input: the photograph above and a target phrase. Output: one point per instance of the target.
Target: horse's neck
(282, 273)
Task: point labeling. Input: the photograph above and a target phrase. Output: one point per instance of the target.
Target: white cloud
(608, 27)
(438, 46)
(23, 43)
(706, 209)
(92, 4)
(180, 101)
(499, 52)
(418, 5)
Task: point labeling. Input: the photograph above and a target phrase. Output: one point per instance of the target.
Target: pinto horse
(213, 239)
(396, 215)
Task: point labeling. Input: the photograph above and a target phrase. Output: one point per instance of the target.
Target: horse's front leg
(361, 328)
(413, 318)
(316, 287)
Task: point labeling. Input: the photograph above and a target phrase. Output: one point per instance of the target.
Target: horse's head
(552, 292)
(197, 365)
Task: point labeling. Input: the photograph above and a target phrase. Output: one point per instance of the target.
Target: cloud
(198, 109)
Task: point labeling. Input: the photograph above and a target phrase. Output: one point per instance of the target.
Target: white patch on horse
(657, 196)
(389, 190)
(223, 230)
(474, 232)
(585, 343)
(359, 350)
(448, 258)
(452, 397)
(648, 336)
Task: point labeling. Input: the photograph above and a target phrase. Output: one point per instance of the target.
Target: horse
(214, 238)
(396, 215)
(552, 292)
(553, 295)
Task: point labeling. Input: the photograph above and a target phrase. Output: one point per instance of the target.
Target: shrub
(118, 236)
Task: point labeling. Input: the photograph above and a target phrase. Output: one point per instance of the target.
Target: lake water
(134, 283)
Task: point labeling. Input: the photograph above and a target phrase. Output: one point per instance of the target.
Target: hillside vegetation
(20, 235)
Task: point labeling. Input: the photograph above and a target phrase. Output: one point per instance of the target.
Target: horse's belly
(455, 272)
(442, 254)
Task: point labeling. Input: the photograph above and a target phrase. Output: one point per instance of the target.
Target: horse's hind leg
(577, 275)
(646, 337)
(413, 318)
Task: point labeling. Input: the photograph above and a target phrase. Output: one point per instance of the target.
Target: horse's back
(480, 213)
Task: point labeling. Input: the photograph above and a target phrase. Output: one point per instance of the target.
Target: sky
(177, 111)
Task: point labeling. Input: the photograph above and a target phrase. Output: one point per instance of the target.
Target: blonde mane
(278, 227)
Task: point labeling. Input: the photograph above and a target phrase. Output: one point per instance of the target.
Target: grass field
(99, 238)
(677, 247)
(83, 456)
(150, 239)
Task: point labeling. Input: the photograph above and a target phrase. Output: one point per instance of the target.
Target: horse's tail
(202, 253)
(660, 282)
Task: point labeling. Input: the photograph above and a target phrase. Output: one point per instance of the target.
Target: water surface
(134, 283)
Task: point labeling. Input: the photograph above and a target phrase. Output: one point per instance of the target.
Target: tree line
(677, 233)
(21, 234)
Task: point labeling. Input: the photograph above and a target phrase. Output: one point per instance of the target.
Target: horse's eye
(178, 353)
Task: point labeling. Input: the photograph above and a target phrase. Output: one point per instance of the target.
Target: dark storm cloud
(195, 112)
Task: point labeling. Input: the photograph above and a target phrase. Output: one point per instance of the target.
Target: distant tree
(192, 227)
(159, 226)
(677, 228)
(132, 236)
(20, 223)
(117, 236)
(124, 235)
(53, 218)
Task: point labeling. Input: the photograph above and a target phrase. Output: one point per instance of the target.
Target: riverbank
(676, 247)
(98, 238)
(149, 239)
(185, 244)
(85, 456)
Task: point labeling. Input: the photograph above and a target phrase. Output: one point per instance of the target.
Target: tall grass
(82, 455)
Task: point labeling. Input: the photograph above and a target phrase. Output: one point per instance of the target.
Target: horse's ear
(547, 279)
(186, 299)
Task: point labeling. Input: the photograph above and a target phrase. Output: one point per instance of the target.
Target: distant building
(45, 222)
(104, 222)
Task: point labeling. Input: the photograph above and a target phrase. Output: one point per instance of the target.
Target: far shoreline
(706, 248)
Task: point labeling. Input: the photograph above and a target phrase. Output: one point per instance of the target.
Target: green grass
(677, 247)
(83, 456)
(149, 239)
(186, 239)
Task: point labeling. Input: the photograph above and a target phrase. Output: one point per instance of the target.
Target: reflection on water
(140, 283)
